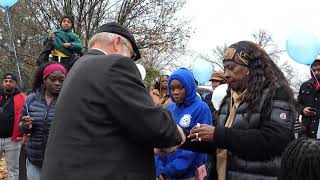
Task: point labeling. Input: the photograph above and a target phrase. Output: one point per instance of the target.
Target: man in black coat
(106, 125)
(309, 101)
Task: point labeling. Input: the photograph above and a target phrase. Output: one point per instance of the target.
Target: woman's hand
(27, 122)
(202, 132)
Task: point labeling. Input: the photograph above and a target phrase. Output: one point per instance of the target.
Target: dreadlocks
(301, 160)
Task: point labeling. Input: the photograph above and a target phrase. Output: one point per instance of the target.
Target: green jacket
(63, 36)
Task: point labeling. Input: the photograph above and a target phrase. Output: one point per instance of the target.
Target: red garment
(54, 67)
(18, 100)
(315, 84)
(314, 81)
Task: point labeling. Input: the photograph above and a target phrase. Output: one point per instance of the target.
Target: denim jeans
(33, 172)
(11, 151)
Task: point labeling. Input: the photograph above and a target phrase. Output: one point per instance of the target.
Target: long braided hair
(301, 160)
(264, 74)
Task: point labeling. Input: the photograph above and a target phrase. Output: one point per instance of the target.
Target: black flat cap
(116, 28)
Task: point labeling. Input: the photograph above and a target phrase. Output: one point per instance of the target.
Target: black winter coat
(254, 143)
(309, 97)
(106, 125)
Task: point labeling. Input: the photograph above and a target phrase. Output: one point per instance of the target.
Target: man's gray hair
(103, 37)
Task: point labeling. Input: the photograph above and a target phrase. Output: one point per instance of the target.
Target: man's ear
(116, 43)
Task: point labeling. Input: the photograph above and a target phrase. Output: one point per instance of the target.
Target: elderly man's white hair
(103, 37)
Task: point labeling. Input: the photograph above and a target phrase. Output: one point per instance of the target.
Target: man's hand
(182, 135)
(164, 151)
(308, 111)
(27, 122)
(67, 45)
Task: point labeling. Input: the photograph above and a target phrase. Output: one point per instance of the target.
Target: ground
(3, 169)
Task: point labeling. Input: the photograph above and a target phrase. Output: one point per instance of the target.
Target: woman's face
(54, 82)
(177, 91)
(236, 75)
(163, 82)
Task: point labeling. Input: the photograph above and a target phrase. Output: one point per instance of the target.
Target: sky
(216, 22)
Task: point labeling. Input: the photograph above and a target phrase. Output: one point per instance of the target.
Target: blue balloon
(202, 71)
(7, 3)
(303, 47)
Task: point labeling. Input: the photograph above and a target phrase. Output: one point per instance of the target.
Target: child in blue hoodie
(187, 110)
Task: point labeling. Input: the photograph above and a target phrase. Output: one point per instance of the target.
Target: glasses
(132, 53)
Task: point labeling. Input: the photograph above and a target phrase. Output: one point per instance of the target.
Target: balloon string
(314, 76)
(13, 46)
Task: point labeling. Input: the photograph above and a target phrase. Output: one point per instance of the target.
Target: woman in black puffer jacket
(255, 121)
(38, 114)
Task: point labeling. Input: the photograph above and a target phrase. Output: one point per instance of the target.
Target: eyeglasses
(132, 53)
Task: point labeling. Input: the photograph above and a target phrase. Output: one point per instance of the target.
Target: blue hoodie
(182, 163)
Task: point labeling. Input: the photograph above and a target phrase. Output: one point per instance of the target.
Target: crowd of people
(93, 117)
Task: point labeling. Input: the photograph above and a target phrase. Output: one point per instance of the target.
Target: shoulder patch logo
(185, 120)
(283, 116)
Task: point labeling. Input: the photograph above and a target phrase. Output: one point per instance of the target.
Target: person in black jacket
(309, 101)
(255, 119)
(106, 125)
(11, 103)
(38, 114)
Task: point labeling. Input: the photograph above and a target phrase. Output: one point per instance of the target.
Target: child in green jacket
(62, 43)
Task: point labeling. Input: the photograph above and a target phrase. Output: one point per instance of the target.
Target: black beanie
(69, 17)
(10, 76)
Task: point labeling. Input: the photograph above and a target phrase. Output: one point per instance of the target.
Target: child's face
(66, 24)
(177, 91)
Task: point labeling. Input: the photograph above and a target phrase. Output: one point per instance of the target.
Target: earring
(247, 73)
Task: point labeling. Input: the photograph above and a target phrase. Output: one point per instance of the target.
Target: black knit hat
(69, 17)
(116, 28)
(10, 76)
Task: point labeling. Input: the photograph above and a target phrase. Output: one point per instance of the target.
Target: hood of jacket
(185, 77)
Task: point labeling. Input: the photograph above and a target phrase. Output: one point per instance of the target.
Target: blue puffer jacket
(183, 164)
(42, 116)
